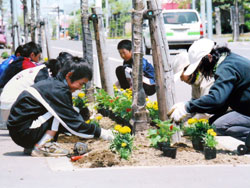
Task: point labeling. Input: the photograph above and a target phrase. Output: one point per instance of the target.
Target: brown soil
(99, 154)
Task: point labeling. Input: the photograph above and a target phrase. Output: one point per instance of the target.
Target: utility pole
(209, 20)
(32, 22)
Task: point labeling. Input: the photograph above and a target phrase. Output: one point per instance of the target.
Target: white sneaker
(49, 149)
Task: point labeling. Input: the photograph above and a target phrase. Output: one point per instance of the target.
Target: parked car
(182, 26)
(3, 41)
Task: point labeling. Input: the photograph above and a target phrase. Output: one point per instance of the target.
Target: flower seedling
(123, 141)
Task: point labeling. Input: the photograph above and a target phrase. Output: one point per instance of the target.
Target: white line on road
(80, 53)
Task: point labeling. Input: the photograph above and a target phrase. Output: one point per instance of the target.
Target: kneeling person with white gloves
(45, 109)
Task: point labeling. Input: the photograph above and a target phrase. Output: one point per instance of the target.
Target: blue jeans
(233, 124)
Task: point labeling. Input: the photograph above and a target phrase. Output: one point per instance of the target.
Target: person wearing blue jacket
(230, 89)
(123, 73)
(12, 58)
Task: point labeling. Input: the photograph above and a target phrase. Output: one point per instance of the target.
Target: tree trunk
(218, 21)
(12, 27)
(47, 37)
(163, 69)
(32, 22)
(38, 23)
(101, 49)
(140, 116)
(87, 44)
(1, 9)
(25, 21)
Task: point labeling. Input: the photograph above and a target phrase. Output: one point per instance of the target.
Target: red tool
(75, 158)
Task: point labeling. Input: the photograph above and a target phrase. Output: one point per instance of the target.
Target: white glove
(106, 134)
(178, 112)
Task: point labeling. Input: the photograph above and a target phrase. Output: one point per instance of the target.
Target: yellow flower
(114, 86)
(192, 121)
(122, 89)
(155, 107)
(45, 59)
(149, 105)
(125, 130)
(213, 133)
(81, 95)
(203, 120)
(88, 121)
(118, 127)
(147, 99)
(73, 98)
(98, 117)
(124, 144)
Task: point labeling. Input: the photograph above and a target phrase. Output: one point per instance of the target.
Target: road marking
(80, 53)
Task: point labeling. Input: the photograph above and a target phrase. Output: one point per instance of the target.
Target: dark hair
(125, 44)
(206, 67)
(64, 56)
(30, 47)
(19, 50)
(54, 66)
(80, 68)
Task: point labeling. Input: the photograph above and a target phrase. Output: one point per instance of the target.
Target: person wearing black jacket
(230, 89)
(45, 109)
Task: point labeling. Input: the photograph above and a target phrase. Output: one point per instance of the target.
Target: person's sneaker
(49, 149)
(27, 151)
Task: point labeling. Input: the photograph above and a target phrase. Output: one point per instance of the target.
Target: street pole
(193, 4)
(203, 16)
(209, 20)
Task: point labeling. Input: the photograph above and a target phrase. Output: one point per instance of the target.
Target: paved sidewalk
(18, 170)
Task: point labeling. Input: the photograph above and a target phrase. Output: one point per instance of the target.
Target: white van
(182, 26)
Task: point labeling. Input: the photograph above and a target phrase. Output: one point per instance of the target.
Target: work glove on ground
(178, 112)
(106, 135)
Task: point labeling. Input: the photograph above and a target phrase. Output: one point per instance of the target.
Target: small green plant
(95, 121)
(123, 141)
(163, 134)
(80, 101)
(152, 107)
(197, 128)
(5, 55)
(209, 139)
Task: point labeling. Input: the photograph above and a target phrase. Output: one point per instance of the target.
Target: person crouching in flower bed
(45, 109)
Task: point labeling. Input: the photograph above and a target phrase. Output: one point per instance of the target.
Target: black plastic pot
(169, 152)
(160, 145)
(209, 153)
(198, 144)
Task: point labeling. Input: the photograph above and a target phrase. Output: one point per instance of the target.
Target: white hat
(196, 52)
(179, 62)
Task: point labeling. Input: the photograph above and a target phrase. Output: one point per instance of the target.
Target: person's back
(12, 58)
(30, 56)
